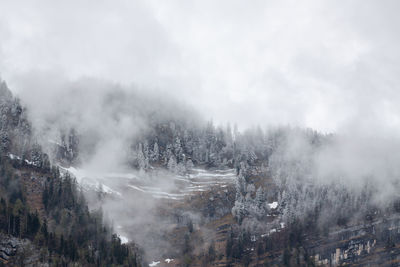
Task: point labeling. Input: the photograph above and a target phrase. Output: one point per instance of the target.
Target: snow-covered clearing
(199, 180)
(172, 187)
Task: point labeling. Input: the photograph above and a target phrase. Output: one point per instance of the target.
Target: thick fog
(353, 162)
(108, 118)
(315, 64)
(105, 67)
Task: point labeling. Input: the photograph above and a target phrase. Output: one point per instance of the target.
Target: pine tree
(140, 158)
(260, 202)
(4, 141)
(172, 165)
(36, 156)
(189, 164)
(178, 151)
(155, 153)
(168, 153)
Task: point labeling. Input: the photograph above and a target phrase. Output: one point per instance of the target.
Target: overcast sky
(320, 64)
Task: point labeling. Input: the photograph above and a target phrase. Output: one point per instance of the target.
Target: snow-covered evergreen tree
(155, 154)
(168, 153)
(172, 165)
(189, 164)
(36, 156)
(141, 160)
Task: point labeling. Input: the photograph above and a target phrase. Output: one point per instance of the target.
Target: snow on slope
(173, 187)
(15, 157)
(199, 180)
(91, 181)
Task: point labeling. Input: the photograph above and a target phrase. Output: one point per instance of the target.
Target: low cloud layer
(108, 118)
(347, 167)
(314, 64)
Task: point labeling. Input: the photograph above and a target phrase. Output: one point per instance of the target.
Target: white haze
(108, 118)
(311, 63)
(330, 65)
(355, 164)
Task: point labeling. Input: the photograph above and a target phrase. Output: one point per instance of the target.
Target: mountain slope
(44, 219)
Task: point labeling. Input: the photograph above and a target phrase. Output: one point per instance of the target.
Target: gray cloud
(310, 63)
(316, 64)
(108, 117)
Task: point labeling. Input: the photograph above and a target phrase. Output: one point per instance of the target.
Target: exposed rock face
(344, 251)
(8, 247)
(375, 243)
(18, 252)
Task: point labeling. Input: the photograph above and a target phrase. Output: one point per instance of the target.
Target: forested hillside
(44, 217)
(189, 193)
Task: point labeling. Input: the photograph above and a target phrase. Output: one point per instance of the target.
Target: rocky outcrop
(374, 243)
(18, 252)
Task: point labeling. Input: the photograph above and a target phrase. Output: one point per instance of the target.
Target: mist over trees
(200, 133)
(15, 129)
(295, 179)
(64, 231)
(139, 130)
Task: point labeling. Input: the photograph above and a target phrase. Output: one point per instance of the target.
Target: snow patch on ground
(199, 180)
(154, 263)
(29, 162)
(108, 190)
(274, 230)
(88, 183)
(124, 239)
(210, 174)
(167, 197)
(15, 157)
(273, 205)
(12, 156)
(168, 260)
(136, 188)
(129, 176)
